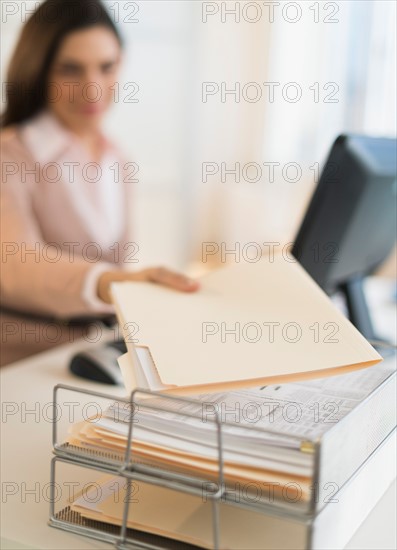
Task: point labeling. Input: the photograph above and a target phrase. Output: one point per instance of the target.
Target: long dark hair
(26, 84)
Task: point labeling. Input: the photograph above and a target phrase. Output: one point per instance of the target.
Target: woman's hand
(159, 275)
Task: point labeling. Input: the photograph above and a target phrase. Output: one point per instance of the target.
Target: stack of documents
(249, 325)
(268, 433)
(349, 416)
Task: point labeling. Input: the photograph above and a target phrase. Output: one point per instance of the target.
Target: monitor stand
(359, 315)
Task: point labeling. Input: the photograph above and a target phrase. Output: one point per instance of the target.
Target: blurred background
(230, 108)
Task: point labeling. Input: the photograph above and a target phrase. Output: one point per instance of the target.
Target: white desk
(26, 453)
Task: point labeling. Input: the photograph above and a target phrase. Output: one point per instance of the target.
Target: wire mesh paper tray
(123, 465)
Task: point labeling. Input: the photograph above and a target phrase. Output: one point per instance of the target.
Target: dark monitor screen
(350, 226)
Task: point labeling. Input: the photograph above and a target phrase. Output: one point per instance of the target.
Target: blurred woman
(65, 188)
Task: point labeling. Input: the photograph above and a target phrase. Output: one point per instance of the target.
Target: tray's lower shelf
(69, 520)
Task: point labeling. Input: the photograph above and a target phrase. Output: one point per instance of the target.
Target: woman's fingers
(159, 275)
(166, 277)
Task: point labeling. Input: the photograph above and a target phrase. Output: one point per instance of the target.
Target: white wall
(171, 132)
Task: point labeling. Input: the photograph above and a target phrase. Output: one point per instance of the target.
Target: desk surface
(25, 463)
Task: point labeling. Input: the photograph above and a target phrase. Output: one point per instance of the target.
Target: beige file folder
(180, 516)
(250, 324)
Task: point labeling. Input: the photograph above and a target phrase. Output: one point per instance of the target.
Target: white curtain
(338, 59)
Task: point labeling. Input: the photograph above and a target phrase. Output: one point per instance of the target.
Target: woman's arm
(32, 281)
(35, 278)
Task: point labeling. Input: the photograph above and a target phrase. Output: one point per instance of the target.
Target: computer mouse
(98, 364)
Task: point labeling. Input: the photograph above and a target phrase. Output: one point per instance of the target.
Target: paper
(181, 516)
(249, 325)
(285, 420)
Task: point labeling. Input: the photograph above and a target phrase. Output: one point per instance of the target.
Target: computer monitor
(350, 225)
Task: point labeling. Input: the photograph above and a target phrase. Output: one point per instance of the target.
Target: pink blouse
(64, 219)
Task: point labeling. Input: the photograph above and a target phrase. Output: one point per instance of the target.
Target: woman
(65, 188)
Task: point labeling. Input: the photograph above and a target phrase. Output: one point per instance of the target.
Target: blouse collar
(47, 138)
